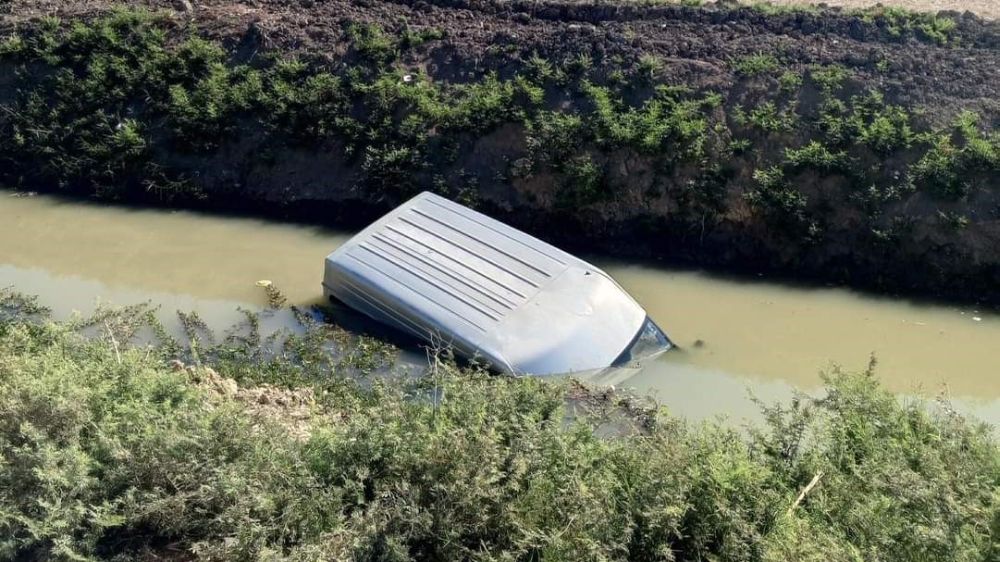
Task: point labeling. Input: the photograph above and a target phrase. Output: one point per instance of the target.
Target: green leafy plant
(757, 64)
(116, 450)
(817, 156)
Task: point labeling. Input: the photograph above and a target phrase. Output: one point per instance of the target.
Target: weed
(372, 43)
(411, 39)
(817, 156)
(649, 65)
(553, 137)
(790, 81)
(740, 146)
(900, 23)
(776, 199)
(583, 183)
(757, 64)
(12, 46)
(579, 65)
(767, 117)
(828, 77)
(770, 9)
(667, 118)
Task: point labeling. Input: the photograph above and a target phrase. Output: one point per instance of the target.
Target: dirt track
(984, 8)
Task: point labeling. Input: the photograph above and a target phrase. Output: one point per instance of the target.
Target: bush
(767, 117)
(105, 452)
(815, 155)
(776, 199)
(584, 182)
(900, 23)
(790, 81)
(552, 137)
(960, 161)
(756, 64)
(884, 128)
(828, 77)
(668, 120)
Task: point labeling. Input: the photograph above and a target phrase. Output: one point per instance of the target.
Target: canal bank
(852, 148)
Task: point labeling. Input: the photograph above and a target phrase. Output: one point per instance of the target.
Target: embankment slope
(844, 147)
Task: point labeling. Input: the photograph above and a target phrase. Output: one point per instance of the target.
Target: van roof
(444, 272)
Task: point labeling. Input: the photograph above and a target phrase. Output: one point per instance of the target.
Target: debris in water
(264, 283)
(977, 318)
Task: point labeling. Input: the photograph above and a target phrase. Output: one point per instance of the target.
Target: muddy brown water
(737, 337)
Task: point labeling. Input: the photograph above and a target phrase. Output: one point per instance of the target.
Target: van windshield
(649, 342)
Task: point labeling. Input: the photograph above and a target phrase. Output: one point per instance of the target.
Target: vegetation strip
(112, 448)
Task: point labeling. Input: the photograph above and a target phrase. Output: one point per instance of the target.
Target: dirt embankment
(856, 148)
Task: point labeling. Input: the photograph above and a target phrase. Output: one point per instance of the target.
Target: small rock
(183, 6)
(177, 365)
(699, 343)
(521, 17)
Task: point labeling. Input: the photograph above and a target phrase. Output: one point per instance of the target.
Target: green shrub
(770, 9)
(666, 121)
(767, 117)
(107, 453)
(900, 23)
(372, 43)
(649, 65)
(541, 70)
(790, 81)
(201, 114)
(959, 161)
(756, 64)
(815, 155)
(953, 221)
(884, 128)
(776, 199)
(583, 182)
(12, 46)
(828, 77)
(306, 104)
(411, 39)
(73, 128)
(100, 449)
(552, 137)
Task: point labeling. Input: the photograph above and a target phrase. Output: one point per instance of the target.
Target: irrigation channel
(737, 337)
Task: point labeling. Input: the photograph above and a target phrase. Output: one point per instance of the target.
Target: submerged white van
(450, 275)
